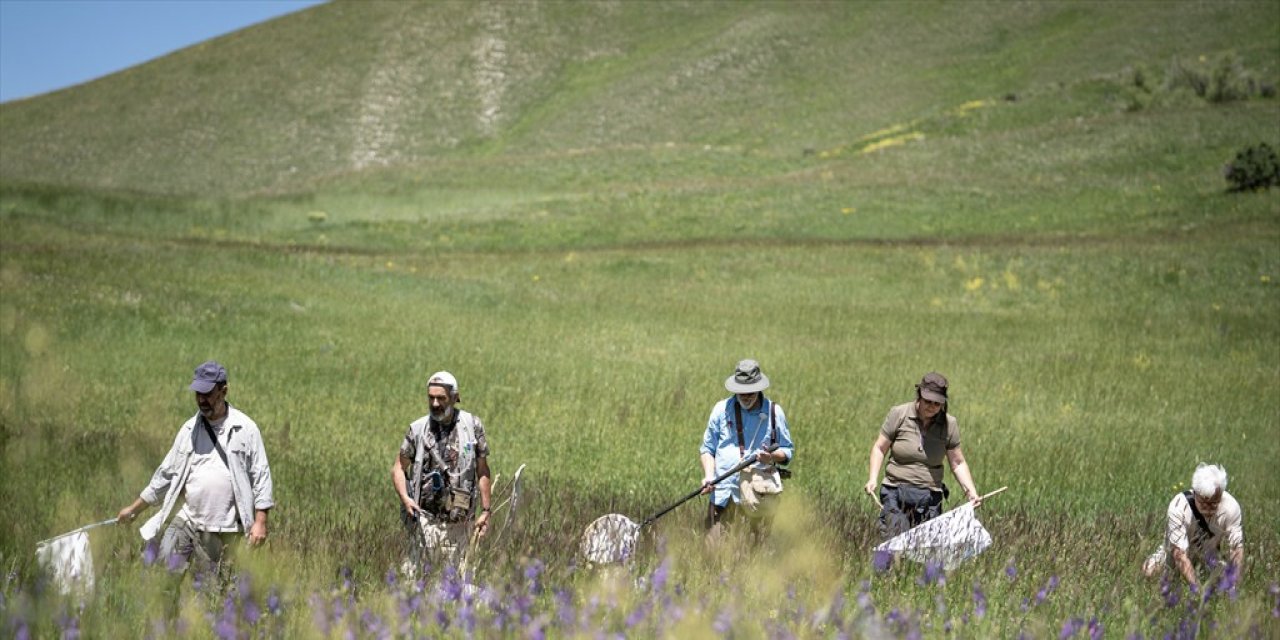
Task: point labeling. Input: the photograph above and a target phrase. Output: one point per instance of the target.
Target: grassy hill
(322, 95)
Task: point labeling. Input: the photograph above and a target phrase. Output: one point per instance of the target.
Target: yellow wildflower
(892, 142)
(888, 131)
(1142, 361)
(1011, 280)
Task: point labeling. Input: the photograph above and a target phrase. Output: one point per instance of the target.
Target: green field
(853, 194)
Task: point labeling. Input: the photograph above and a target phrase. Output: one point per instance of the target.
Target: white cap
(444, 379)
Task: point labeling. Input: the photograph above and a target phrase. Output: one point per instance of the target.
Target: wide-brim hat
(747, 378)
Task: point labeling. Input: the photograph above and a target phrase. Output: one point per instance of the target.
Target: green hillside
(330, 92)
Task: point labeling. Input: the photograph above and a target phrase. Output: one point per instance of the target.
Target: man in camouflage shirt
(440, 470)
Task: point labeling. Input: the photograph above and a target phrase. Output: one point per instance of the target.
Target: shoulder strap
(773, 423)
(737, 413)
(1191, 502)
(216, 445)
(737, 423)
(432, 445)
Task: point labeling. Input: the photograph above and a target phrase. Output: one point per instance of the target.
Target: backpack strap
(773, 424)
(1191, 502)
(737, 423)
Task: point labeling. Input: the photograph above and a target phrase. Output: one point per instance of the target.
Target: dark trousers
(905, 506)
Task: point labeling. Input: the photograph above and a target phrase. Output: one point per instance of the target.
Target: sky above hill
(47, 45)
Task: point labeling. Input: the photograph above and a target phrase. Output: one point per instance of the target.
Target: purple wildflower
(724, 622)
(390, 577)
(1275, 591)
(22, 632)
(373, 625)
(1168, 592)
(865, 603)
(225, 628)
(933, 574)
(69, 625)
(1011, 571)
(531, 573)
(175, 562)
(641, 612)
(1230, 577)
(979, 601)
(467, 618)
(537, 629)
(895, 617)
(273, 602)
(320, 614)
(1095, 629)
(1070, 628)
(523, 604)
(1047, 589)
(251, 612)
(881, 561)
(149, 553)
(450, 586)
(661, 573)
(564, 608)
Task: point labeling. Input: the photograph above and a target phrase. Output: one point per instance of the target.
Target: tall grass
(1089, 378)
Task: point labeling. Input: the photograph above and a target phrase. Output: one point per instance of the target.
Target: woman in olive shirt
(917, 436)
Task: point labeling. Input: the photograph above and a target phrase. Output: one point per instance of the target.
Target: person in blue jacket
(746, 424)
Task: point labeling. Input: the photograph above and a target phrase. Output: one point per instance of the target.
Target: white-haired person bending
(1199, 521)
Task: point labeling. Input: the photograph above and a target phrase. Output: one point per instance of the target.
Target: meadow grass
(1090, 377)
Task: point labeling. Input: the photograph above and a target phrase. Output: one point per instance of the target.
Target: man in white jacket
(218, 467)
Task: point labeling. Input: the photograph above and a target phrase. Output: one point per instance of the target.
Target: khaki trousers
(436, 543)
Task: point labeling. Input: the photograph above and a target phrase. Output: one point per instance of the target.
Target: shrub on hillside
(1135, 90)
(1227, 80)
(1254, 168)
(1183, 76)
(1230, 81)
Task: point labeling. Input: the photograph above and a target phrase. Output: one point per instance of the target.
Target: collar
(228, 421)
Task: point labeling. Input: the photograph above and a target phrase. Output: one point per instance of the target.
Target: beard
(441, 415)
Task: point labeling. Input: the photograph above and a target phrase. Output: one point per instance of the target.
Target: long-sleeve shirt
(246, 457)
(721, 440)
